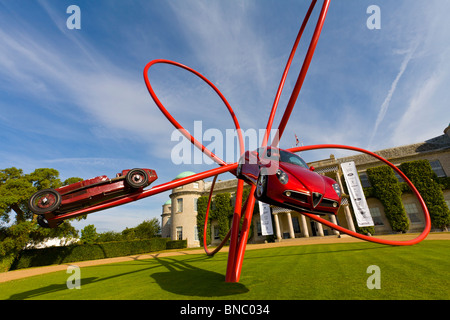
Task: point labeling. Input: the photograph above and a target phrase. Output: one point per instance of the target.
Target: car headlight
(282, 176)
(337, 189)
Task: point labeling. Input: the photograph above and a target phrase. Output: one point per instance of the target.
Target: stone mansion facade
(179, 214)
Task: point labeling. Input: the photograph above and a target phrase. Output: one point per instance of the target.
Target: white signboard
(356, 193)
(266, 219)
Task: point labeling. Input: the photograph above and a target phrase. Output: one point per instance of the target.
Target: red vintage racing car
(86, 193)
(284, 179)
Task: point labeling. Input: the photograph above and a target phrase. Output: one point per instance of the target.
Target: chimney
(447, 130)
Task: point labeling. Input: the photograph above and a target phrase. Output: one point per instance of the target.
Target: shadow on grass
(291, 253)
(184, 279)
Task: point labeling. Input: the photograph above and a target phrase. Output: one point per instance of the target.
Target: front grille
(297, 196)
(329, 203)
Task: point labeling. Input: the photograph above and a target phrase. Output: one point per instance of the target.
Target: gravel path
(23, 273)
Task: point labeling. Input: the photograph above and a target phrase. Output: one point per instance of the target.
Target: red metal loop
(178, 125)
(205, 226)
(416, 240)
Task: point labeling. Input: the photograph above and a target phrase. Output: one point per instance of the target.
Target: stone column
(348, 217)
(291, 227)
(319, 229)
(334, 220)
(277, 226)
(304, 226)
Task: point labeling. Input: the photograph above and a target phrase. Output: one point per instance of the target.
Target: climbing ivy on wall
(425, 181)
(222, 211)
(202, 204)
(386, 188)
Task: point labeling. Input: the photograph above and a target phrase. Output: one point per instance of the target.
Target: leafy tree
(89, 234)
(148, 229)
(16, 188)
(129, 234)
(18, 226)
(145, 230)
(109, 236)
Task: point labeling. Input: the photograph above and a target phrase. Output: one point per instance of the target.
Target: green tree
(148, 229)
(18, 226)
(89, 234)
(109, 236)
(145, 230)
(129, 234)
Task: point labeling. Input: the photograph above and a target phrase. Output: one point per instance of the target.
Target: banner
(266, 219)
(356, 193)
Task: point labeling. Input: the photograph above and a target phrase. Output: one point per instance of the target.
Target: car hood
(312, 180)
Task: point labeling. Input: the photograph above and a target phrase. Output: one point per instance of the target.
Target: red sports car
(86, 193)
(284, 179)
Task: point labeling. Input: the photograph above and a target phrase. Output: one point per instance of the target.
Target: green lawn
(324, 271)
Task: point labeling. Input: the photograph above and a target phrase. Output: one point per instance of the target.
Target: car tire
(239, 171)
(137, 178)
(261, 185)
(44, 201)
(42, 222)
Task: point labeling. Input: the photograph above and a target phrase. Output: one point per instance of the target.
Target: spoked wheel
(137, 178)
(261, 186)
(47, 200)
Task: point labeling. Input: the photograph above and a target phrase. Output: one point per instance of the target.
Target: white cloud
(385, 105)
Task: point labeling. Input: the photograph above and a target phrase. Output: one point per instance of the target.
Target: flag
(296, 141)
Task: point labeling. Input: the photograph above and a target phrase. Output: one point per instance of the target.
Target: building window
(216, 233)
(258, 228)
(179, 233)
(296, 225)
(196, 204)
(195, 185)
(365, 183)
(399, 178)
(412, 212)
(195, 233)
(233, 200)
(179, 205)
(376, 216)
(437, 168)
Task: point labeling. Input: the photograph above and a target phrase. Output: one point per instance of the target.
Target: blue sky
(75, 100)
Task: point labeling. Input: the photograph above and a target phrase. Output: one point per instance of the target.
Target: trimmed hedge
(59, 255)
(176, 244)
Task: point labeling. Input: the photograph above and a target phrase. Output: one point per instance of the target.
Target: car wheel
(261, 186)
(239, 171)
(47, 200)
(137, 178)
(42, 222)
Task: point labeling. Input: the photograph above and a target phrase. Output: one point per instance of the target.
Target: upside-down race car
(86, 193)
(284, 179)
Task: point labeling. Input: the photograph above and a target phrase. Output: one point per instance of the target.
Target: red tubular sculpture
(416, 240)
(238, 237)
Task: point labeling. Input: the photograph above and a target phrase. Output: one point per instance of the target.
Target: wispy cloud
(69, 75)
(233, 52)
(385, 105)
